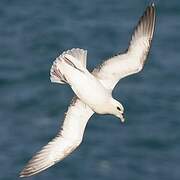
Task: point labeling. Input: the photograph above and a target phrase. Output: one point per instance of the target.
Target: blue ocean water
(33, 33)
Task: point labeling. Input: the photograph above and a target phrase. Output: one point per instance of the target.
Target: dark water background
(33, 33)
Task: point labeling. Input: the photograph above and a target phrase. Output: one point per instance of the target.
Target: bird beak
(122, 118)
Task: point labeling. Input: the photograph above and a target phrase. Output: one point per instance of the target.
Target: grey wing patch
(144, 30)
(39, 162)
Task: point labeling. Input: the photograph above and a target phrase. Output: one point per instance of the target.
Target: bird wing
(66, 141)
(122, 65)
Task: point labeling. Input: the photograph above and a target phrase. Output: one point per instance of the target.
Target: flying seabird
(93, 91)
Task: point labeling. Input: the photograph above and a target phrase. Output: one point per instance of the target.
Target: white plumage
(93, 91)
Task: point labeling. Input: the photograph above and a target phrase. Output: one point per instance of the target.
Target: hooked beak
(122, 118)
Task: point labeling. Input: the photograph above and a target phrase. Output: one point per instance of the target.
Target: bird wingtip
(152, 4)
(21, 174)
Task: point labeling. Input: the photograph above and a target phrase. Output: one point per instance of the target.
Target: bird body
(87, 87)
(93, 91)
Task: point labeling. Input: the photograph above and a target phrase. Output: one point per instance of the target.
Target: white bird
(93, 91)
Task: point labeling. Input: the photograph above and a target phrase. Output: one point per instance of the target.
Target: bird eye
(118, 108)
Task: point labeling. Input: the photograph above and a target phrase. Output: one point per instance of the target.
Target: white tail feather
(77, 54)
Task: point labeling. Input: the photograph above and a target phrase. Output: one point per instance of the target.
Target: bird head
(118, 110)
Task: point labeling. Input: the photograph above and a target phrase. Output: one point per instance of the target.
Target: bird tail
(74, 57)
(55, 74)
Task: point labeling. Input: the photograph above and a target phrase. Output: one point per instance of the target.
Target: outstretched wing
(122, 65)
(67, 140)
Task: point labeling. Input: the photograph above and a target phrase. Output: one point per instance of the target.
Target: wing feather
(67, 140)
(122, 65)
